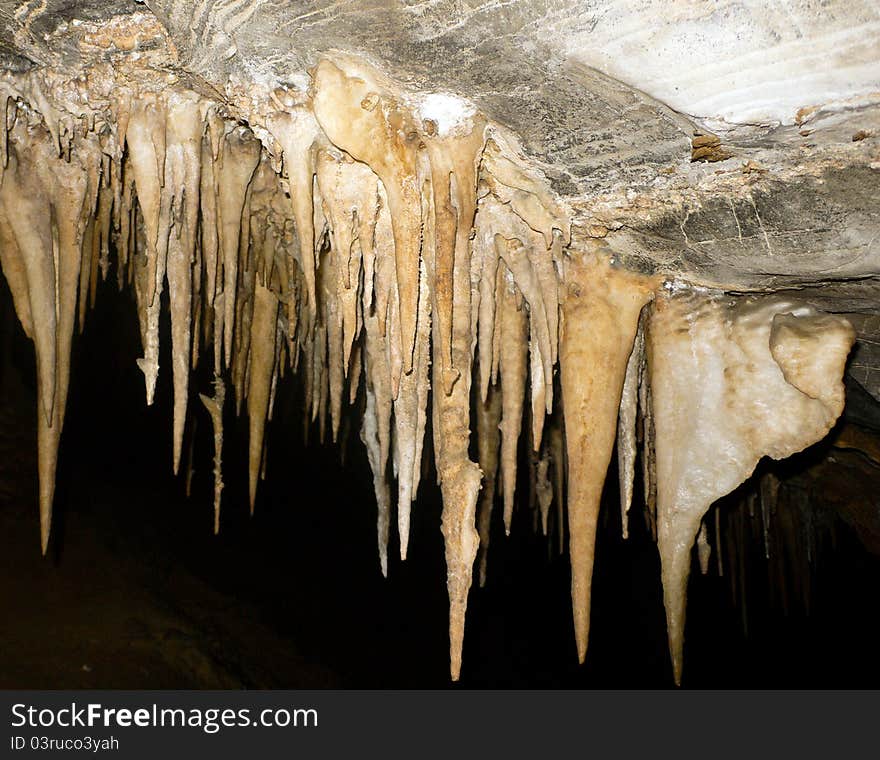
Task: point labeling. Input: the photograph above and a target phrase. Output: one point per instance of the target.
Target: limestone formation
(408, 244)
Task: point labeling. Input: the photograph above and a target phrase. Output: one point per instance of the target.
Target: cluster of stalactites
(393, 249)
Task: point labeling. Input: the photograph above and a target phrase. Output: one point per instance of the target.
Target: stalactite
(402, 243)
(375, 431)
(512, 321)
(145, 139)
(262, 368)
(182, 180)
(297, 131)
(454, 152)
(360, 112)
(749, 378)
(410, 417)
(626, 428)
(29, 261)
(240, 155)
(600, 316)
(350, 198)
(378, 458)
(208, 227)
(459, 476)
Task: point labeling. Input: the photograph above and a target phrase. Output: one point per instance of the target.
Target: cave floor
(88, 616)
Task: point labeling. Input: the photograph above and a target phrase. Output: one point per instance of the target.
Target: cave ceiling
(605, 98)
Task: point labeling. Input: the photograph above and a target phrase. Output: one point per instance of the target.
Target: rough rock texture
(575, 82)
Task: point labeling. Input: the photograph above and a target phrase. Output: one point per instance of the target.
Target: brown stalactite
(600, 317)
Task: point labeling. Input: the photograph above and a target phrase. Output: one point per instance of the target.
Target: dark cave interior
(136, 591)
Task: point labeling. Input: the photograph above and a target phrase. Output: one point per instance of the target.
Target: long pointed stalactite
(600, 316)
(399, 253)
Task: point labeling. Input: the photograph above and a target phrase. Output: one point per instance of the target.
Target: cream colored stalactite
(239, 157)
(360, 112)
(145, 141)
(183, 159)
(541, 225)
(331, 322)
(197, 310)
(392, 330)
(454, 155)
(513, 326)
(459, 476)
(600, 318)
(244, 306)
(460, 485)
(127, 211)
(350, 199)
(376, 432)
(370, 439)
(28, 223)
(120, 115)
(29, 262)
(262, 369)
(145, 138)
(488, 219)
(376, 427)
(626, 428)
(70, 187)
(278, 371)
(95, 240)
(731, 381)
(411, 402)
(410, 417)
(380, 287)
(515, 253)
(298, 133)
(208, 222)
(539, 391)
(379, 351)
(148, 317)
